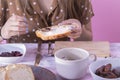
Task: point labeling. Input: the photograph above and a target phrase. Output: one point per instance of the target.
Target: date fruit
(106, 71)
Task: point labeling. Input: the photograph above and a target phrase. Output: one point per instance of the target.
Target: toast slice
(54, 32)
(2, 73)
(19, 72)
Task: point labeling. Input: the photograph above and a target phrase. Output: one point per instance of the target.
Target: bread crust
(54, 36)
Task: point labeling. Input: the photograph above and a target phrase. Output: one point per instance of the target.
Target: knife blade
(38, 54)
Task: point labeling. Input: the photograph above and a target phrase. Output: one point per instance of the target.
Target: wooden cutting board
(100, 48)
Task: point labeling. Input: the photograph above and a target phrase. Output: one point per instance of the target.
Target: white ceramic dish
(72, 63)
(12, 47)
(95, 65)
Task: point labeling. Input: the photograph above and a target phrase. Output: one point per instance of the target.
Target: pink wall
(106, 22)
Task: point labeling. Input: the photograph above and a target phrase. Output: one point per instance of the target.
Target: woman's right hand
(15, 25)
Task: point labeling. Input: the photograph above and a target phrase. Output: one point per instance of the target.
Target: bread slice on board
(2, 73)
(54, 32)
(19, 72)
(16, 72)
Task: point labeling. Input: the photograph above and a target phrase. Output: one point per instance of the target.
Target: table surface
(49, 63)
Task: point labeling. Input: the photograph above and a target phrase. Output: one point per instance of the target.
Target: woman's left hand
(76, 29)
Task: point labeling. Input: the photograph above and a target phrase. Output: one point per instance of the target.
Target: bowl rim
(70, 61)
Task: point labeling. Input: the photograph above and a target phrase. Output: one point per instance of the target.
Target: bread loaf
(16, 72)
(54, 32)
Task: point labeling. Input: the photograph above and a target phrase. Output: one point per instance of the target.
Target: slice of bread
(54, 32)
(16, 72)
(2, 73)
(19, 72)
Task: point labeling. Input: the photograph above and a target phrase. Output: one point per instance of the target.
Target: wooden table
(49, 63)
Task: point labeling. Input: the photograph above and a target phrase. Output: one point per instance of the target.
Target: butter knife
(50, 49)
(38, 54)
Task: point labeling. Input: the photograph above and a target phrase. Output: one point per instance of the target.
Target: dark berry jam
(11, 54)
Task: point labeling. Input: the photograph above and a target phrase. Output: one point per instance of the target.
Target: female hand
(76, 29)
(15, 25)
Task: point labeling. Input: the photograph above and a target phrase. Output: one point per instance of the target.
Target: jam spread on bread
(46, 29)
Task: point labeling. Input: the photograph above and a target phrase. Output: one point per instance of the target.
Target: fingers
(69, 22)
(75, 31)
(17, 31)
(19, 28)
(66, 22)
(75, 27)
(15, 25)
(23, 29)
(74, 35)
(22, 24)
(17, 18)
(14, 33)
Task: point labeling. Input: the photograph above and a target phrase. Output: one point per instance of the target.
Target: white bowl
(95, 65)
(12, 47)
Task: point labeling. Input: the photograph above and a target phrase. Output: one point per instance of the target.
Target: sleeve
(15, 7)
(8, 8)
(2, 14)
(86, 11)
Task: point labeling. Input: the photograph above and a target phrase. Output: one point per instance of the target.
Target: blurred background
(106, 22)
